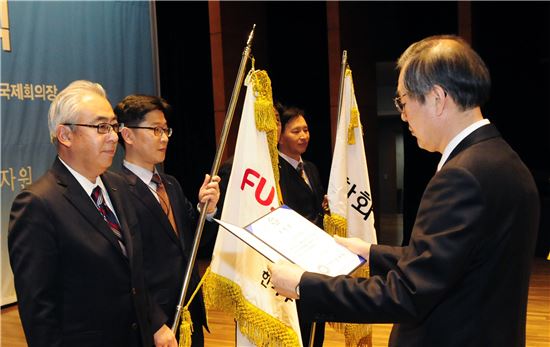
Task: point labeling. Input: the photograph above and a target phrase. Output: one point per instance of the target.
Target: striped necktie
(300, 169)
(109, 217)
(164, 200)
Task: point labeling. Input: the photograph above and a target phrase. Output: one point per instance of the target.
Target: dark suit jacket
(463, 279)
(74, 286)
(165, 254)
(298, 195)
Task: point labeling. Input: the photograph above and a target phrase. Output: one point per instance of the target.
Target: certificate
(285, 234)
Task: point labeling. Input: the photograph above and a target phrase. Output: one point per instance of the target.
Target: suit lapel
(83, 204)
(175, 205)
(144, 195)
(123, 218)
(312, 178)
(292, 174)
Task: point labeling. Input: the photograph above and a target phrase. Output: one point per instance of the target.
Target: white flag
(239, 281)
(349, 195)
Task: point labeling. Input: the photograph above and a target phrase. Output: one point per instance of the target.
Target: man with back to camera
(463, 279)
(74, 246)
(167, 218)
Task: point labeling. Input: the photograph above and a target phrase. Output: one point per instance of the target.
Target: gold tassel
(186, 325)
(259, 327)
(186, 329)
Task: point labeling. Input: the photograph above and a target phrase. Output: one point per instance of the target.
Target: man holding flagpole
(166, 216)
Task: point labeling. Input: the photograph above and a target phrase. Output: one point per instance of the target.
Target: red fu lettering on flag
(261, 181)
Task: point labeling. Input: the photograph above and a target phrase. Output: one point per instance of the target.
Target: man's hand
(285, 277)
(325, 205)
(356, 245)
(210, 191)
(164, 337)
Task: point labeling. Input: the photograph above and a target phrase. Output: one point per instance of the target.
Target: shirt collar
(291, 161)
(83, 181)
(144, 174)
(458, 138)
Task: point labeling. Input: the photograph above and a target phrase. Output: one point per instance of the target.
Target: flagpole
(312, 334)
(214, 171)
(343, 67)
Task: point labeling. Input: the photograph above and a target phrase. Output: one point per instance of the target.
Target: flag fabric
(238, 281)
(349, 195)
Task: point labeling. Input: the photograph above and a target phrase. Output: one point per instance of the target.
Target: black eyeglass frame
(400, 106)
(102, 128)
(158, 131)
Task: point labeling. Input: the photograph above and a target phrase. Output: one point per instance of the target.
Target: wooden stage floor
(223, 329)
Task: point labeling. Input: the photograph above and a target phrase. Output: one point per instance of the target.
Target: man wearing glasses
(167, 218)
(74, 250)
(463, 279)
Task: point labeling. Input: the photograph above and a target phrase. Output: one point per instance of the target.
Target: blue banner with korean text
(45, 46)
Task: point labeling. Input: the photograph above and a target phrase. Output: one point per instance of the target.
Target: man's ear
(127, 135)
(440, 98)
(64, 135)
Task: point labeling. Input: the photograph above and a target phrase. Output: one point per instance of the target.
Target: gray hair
(66, 105)
(447, 61)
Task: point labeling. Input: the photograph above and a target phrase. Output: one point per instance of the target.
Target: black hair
(133, 108)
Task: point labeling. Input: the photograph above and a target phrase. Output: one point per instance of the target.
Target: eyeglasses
(157, 130)
(102, 128)
(400, 106)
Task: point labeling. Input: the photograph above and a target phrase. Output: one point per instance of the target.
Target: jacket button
(134, 326)
(134, 291)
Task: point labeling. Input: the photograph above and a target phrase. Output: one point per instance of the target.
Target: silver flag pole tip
(251, 35)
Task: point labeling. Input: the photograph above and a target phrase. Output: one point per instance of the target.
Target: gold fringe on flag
(261, 328)
(353, 123)
(222, 294)
(335, 225)
(356, 335)
(264, 115)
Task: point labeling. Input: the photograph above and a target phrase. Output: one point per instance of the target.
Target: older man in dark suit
(74, 249)
(463, 279)
(167, 218)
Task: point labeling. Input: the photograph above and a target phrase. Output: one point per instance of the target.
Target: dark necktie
(109, 217)
(164, 200)
(300, 169)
